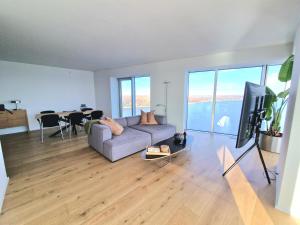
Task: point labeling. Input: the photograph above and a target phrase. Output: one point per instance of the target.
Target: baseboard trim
(2, 194)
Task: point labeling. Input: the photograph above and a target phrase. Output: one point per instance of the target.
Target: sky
(231, 81)
(142, 86)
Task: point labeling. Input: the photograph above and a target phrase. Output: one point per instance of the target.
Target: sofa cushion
(99, 134)
(133, 120)
(151, 119)
(114, 126)
(158, 132)
(161, 119)
(131, 141)
(121, 121)
(144, 119)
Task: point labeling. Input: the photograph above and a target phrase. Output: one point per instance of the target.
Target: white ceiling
(98, 34)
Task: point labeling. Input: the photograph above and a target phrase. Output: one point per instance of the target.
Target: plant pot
(270, 143)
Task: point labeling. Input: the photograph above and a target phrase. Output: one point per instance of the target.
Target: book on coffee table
(158, 150)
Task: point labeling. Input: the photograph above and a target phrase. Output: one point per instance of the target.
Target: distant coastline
(143, 101)
(206, 98)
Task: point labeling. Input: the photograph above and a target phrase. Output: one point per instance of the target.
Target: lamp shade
(15, 101)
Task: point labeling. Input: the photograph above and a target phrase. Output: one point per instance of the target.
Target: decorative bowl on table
(179, 138)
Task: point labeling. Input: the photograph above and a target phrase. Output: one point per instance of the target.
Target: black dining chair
(50, 120)
(96, 115)
(88, 116)
(86, 109)
(75, 119)
(47, 111)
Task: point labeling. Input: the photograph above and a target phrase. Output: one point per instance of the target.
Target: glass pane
(277, 86)
(272, 80)
(229, 97)
(142, 94)
(126, 100)
(201, 86)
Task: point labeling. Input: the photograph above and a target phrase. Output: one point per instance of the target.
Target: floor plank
(67, 182)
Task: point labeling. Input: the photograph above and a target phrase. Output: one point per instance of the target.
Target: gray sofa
(134, 138)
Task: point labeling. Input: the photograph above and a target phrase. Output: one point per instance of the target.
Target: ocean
(126, 111)
(199, 116)
(227, 116)
(226, 120)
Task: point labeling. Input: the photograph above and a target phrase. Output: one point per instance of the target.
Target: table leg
(58, 132)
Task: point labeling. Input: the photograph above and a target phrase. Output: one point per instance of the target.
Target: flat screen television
(253, 102)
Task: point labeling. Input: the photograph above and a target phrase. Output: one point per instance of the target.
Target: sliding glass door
(229, 97)
(134, 95)
(125, 97)
(215, 98)
(142, 94)
(200, 101)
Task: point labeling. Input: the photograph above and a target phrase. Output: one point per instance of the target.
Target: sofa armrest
(161, 119)
(98, 135)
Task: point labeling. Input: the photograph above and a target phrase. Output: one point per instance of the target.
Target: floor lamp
(165, 105)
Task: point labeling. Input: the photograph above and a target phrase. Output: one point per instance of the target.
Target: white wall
(42, 87)
(176, 71)
(288, 184)
(3, 178)
(114, 97)
(102, 94)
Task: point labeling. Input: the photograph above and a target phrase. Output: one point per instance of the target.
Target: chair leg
(70, 130)
(75, 129)
(42, 133)
(62, 135)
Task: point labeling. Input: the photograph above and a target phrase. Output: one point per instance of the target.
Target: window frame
(120, 94)
(133, 93)
(187, 100)
(263, 80)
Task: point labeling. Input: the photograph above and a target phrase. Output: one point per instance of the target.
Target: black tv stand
(256, 144)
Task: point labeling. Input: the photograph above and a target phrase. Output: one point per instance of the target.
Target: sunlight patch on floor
(249, 205)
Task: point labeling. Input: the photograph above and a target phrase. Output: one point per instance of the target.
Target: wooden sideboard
(17, 119)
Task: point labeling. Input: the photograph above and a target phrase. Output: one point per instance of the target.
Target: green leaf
(268, 115)
(269, 91)
(270, 98)
(285, 73)
(283, 94)
(277, 119)
(274, 112)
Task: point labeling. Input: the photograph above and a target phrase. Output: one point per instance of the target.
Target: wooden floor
(66, 182)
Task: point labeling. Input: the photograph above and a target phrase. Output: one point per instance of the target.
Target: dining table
(63, 117)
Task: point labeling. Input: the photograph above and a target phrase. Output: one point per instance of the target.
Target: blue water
(227, 116)
(127, 111)
(199, 116)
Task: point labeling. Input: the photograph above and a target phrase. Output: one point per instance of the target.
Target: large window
(125, 97)
(134, 95)
(215, 98)
(276, 86)
(142, 94)
(201, 90)
(229, 97)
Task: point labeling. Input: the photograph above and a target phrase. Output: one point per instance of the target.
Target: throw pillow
(151, 119)
(144, 119)
(115, 127)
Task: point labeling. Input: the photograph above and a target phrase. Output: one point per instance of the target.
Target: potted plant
(270, 140)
